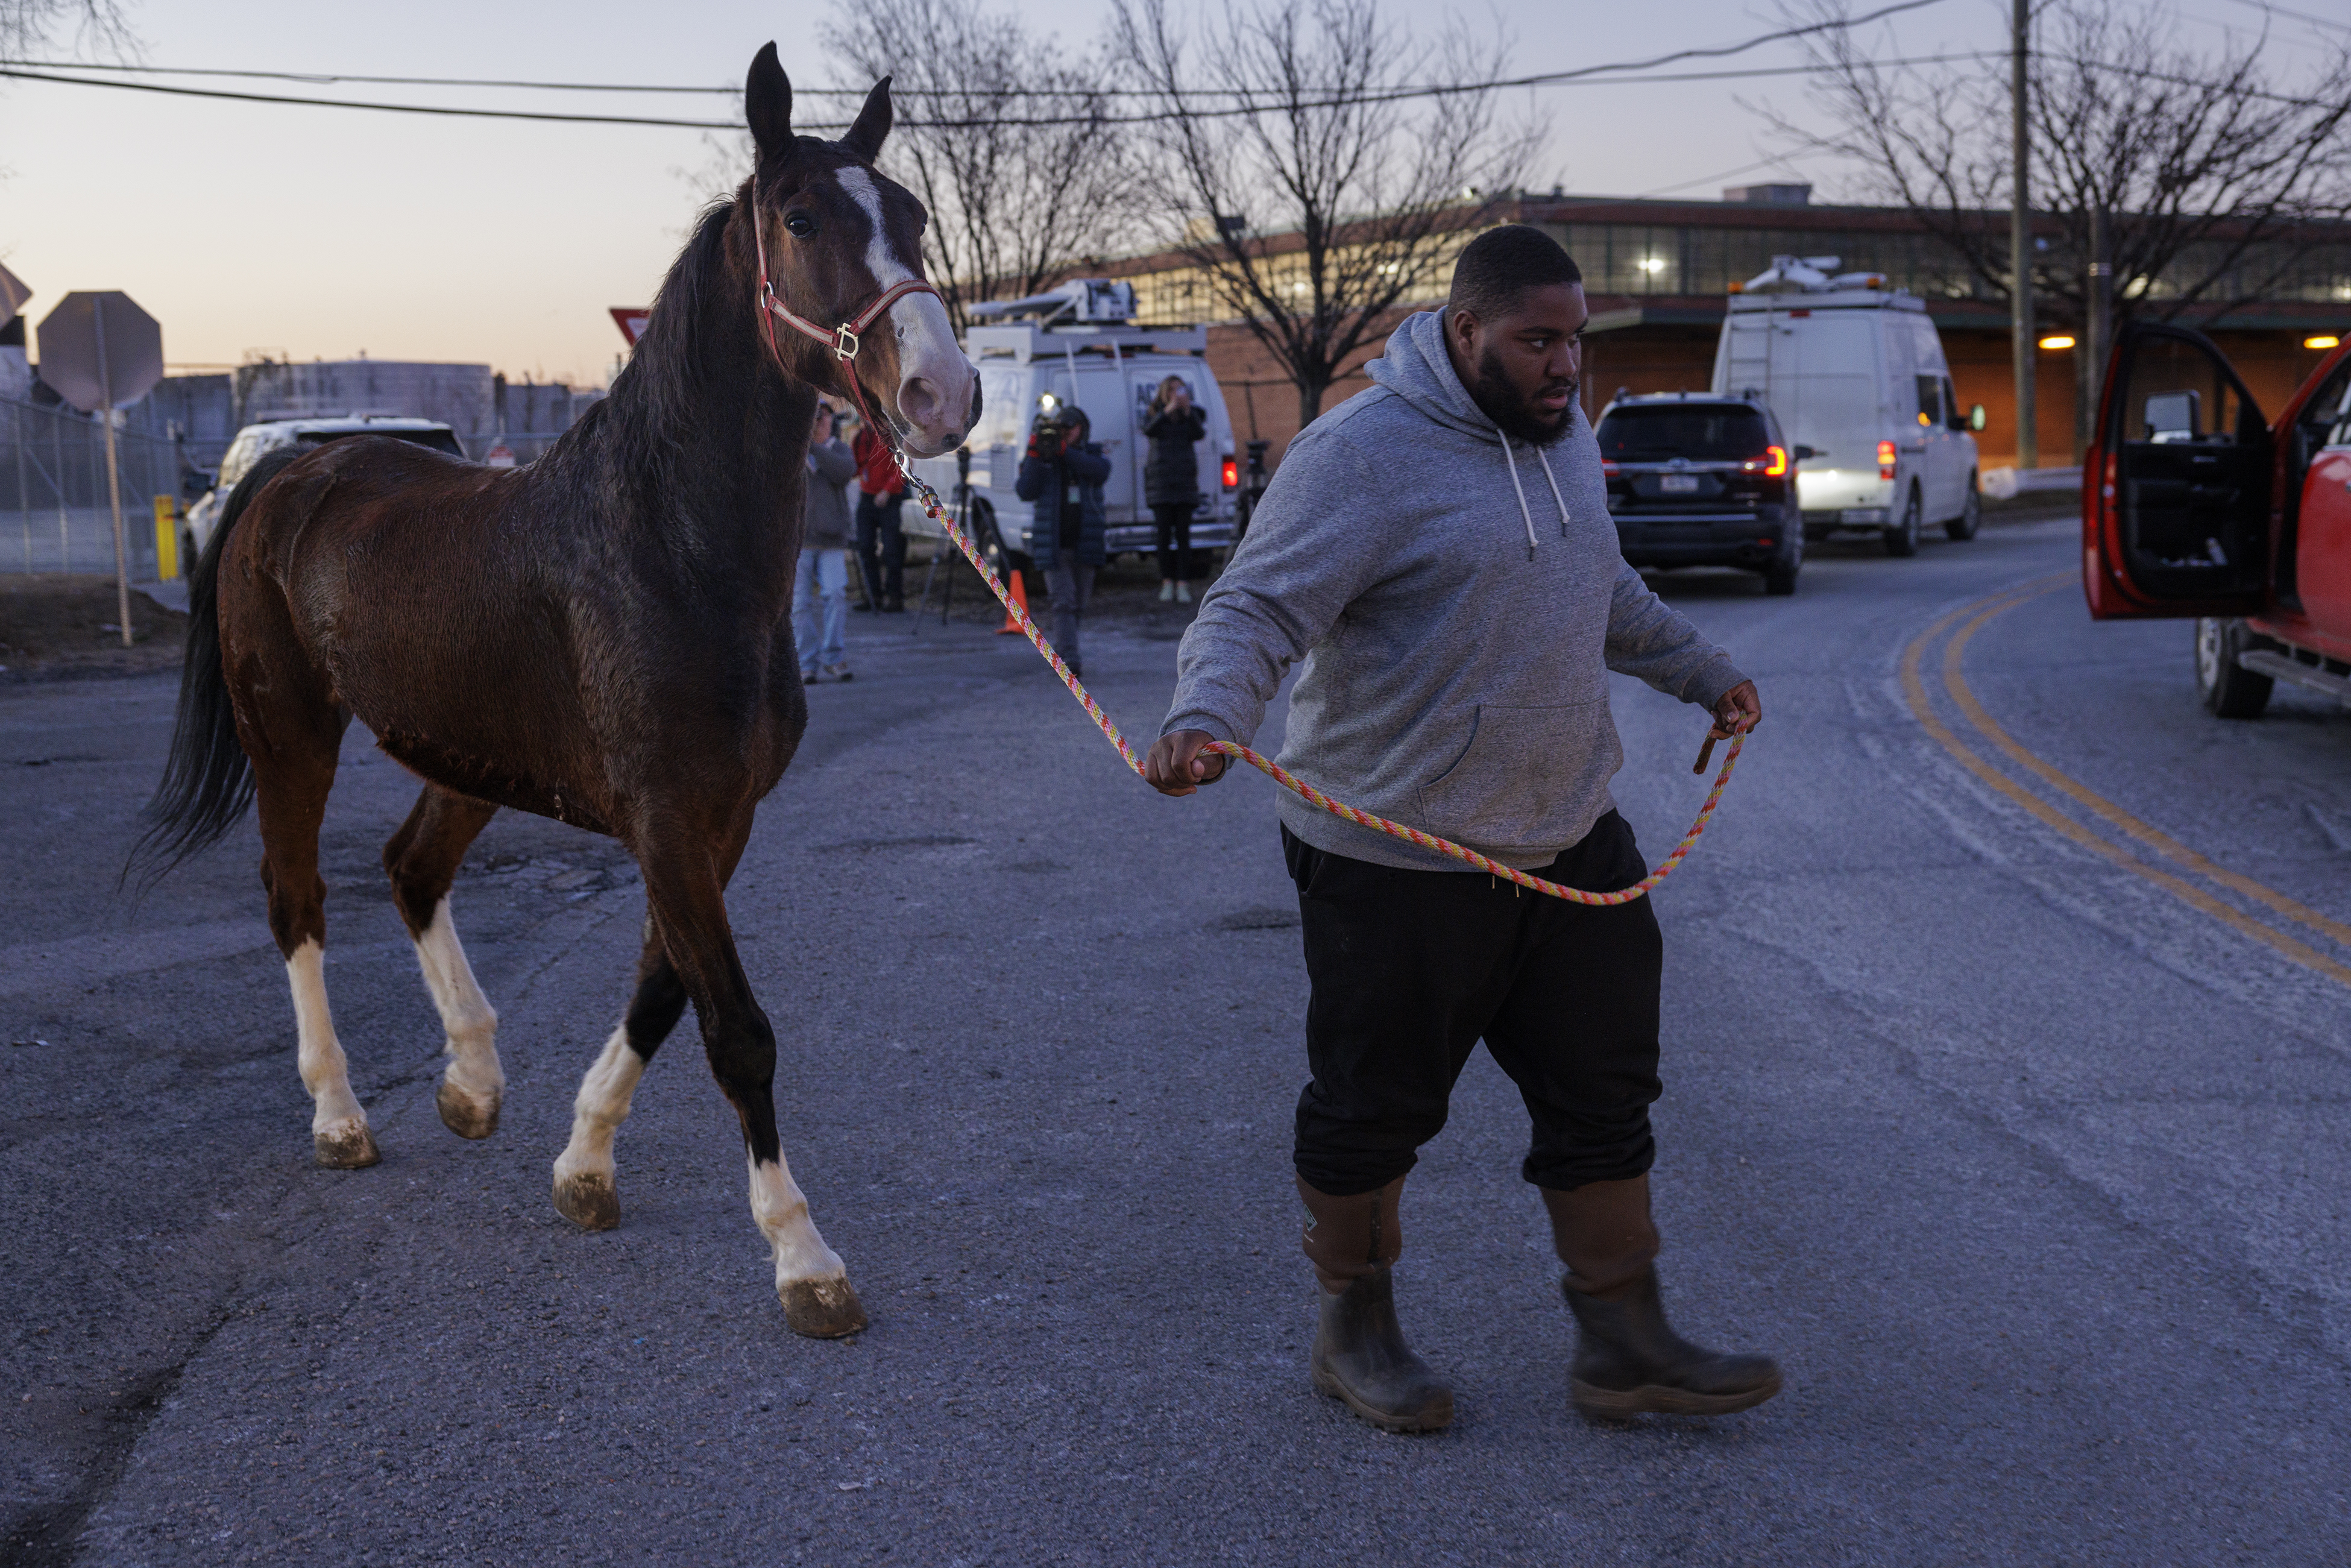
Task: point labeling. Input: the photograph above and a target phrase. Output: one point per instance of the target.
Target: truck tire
(1780, 577)
(1963, 527)
(2229, 689)
(1901, 539)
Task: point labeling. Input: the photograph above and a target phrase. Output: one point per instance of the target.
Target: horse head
(837, 238)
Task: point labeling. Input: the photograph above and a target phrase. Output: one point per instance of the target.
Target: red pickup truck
(2192, 504)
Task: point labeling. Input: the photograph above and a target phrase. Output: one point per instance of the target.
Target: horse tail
(207, 784)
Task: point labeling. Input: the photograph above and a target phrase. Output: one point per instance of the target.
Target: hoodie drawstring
(1526, 515)
(1558, 500)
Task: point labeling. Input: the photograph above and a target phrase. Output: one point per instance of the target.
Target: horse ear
(768, 103)
(865, 138)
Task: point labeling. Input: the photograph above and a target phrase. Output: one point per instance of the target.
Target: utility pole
(2020, 244)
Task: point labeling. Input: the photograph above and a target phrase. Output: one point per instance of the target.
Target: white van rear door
(1832, 382)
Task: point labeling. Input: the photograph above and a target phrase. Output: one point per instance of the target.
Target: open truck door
(2176, 499)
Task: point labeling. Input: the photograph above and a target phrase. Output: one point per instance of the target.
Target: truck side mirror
(1804, 453)
(1976, 417)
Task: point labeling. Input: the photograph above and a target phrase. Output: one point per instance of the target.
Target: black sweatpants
(1175, 541)
(1410, 968)
(881, 549)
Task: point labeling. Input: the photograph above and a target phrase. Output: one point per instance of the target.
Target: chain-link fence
(54, 510)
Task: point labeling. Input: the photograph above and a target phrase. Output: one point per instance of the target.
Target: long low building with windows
(1658, 275)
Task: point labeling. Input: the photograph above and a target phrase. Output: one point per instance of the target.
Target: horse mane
(653, 403)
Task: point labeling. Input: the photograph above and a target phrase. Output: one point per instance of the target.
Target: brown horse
(602, 637)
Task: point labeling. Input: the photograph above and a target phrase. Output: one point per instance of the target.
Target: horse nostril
(918, 400)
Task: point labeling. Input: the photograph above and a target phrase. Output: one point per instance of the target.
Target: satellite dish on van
(1808, 275)
(1078, 299)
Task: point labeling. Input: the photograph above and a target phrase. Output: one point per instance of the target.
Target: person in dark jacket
(881, 545)
(1063, 473)
(1171, 481)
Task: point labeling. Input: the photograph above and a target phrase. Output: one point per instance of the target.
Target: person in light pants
(821, 587)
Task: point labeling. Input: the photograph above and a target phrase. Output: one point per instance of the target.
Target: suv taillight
(1773, 465)
(1885, 460)
(1232, 473)
(1607, 470)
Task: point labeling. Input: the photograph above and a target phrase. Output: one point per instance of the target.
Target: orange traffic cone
(1018, 584)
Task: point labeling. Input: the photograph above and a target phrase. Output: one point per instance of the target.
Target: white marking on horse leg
(811, 1279)
(474, 1085)
(587, 1190)
(339, 1129)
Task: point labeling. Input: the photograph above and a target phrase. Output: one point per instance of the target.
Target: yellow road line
(1913, 691)
(2162, 844)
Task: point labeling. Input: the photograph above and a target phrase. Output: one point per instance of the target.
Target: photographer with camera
(1062, 474)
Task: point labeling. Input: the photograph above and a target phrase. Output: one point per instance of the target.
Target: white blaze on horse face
(935, 379)
(319, 1055)
(782, 1215)
(467, 1017)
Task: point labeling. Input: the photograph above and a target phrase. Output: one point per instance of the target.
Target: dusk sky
(323, 233)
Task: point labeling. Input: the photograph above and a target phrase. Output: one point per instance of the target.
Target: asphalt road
(2026, 1161)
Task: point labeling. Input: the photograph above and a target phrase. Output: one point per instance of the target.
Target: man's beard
(1499, 400)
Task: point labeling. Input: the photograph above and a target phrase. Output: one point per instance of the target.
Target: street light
(2324, 341)
(2055, 341)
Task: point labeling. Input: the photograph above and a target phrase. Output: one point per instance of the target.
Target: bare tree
(95, 25)
(2198, 182)
(1338, 195)
(1006, 137)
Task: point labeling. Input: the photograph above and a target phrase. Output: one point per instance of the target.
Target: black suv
(1700, 479)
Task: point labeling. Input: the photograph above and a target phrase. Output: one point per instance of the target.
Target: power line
(321, 79)
(386, 108)
(1593, 75)
(1041, 121)
(1710, 179)
(2298, 15)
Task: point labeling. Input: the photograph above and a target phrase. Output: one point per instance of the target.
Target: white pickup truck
(255, 441)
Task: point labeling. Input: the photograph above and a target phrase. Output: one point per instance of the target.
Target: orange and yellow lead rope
(1290, 781)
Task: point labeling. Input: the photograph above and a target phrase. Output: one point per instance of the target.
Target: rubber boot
(1360, 1354)
(1628, 1360)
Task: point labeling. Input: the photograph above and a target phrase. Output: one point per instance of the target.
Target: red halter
(842, 340)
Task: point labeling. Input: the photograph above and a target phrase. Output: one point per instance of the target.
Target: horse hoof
(823, 1309)
(588, 1200)
(467, 1116)
(344, 1145)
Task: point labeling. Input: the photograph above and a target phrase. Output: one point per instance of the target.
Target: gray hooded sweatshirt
(1459, 598)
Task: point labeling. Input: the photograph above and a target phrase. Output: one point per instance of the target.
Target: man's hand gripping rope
(1177, 765)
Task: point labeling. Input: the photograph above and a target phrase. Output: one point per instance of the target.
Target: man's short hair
(1500, 265)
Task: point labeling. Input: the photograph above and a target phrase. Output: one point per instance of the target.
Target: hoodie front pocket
(1524, 771)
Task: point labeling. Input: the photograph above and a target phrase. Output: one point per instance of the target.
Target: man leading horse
(1438, 551)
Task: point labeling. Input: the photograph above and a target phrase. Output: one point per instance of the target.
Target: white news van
(1081, 344)
(1854, 370)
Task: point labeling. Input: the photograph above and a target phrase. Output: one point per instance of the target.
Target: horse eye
(800, 224)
